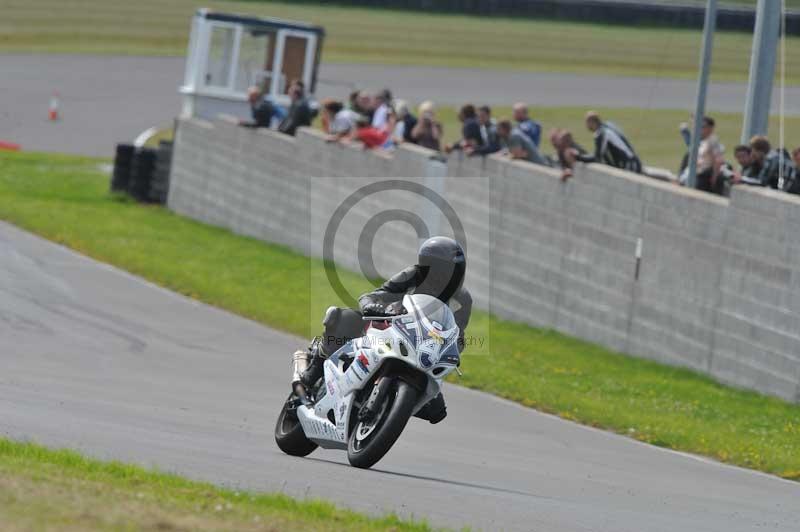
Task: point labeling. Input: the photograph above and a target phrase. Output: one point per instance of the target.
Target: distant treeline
(628, 12)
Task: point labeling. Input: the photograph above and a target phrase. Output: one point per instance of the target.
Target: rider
(439, 272)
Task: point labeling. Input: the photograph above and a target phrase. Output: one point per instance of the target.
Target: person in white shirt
(338, 121)
(380, 117)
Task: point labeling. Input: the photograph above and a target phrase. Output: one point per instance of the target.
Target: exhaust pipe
(301, 360)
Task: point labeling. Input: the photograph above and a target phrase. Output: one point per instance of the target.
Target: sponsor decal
(363, 362)
(436, 336)
(425, 360)
(331, 390)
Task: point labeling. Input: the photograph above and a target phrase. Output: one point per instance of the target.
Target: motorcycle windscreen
(430, 328)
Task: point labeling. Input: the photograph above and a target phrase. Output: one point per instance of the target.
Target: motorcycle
(373, 385)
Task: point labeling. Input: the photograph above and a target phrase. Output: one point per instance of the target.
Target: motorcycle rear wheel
(369, 442)
(289, 433)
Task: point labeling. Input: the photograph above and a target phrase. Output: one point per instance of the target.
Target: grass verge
(65, 199)
(43, 489)
(363, 35)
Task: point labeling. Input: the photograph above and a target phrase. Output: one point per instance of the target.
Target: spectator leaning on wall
(470, 130)
(261, 109)
(370, 137)
(743, 155)
(567, 150)
(428, 131)
(793, 186)
(531, 128)
(363, 103)
(380, 117)
(405, 122)
(610, 146)
(488, 131)
(518, 144)
(299, 114)
(338, 121)
(768, 165)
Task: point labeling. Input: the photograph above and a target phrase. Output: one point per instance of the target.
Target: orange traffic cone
(53, 113)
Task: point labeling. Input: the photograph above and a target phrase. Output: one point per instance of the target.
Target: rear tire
(289, 433)
(364, 452)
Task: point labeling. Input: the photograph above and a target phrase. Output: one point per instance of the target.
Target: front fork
(373, 403)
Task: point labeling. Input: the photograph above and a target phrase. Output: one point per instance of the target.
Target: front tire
(369, 442)
(289, 433)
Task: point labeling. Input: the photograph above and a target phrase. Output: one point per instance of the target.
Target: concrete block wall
(718, 289)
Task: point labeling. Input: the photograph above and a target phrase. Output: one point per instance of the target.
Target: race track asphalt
(98, 360)
(111, 99)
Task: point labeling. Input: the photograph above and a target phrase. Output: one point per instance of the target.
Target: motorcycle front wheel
(289, 433)
(371, 440)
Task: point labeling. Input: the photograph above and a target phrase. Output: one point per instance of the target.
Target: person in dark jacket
(439, 272)
(768, 165)
(406, 122)
(610, 146)
(261, 109)
(470, 130)
(488, 131)
(300, 113)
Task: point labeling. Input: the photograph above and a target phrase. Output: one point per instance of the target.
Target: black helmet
(442, 265)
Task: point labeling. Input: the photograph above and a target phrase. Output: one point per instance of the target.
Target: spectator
(567, 150)
(380, 116)
(364, 104)
(488, 129)
(518, 144)
(709, 159)
(796, 157)
(405, 122)
(261, 109)
(610, 146)
(470, 130)
(338, 121)
(353, 100)
(299, 114)
(428, 131)
(744, 157)
(768, 165)
(529, 127)
(372, 137)
(793, 187)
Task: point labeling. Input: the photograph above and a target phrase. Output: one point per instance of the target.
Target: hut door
(295, 59)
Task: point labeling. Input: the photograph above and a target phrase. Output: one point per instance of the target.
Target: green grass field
(154, 27)
(65, 199)
(42, 489)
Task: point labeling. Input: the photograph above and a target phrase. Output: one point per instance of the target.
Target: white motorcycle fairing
(413, 338)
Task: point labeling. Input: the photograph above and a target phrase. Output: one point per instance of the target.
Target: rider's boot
(434, 410)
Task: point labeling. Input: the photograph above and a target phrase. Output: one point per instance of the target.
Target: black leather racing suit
(405, 282)
(342, 325)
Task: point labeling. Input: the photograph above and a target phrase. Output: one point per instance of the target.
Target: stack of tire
(143, 172)
(142, 168)
(122, 167)
(159, 186)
